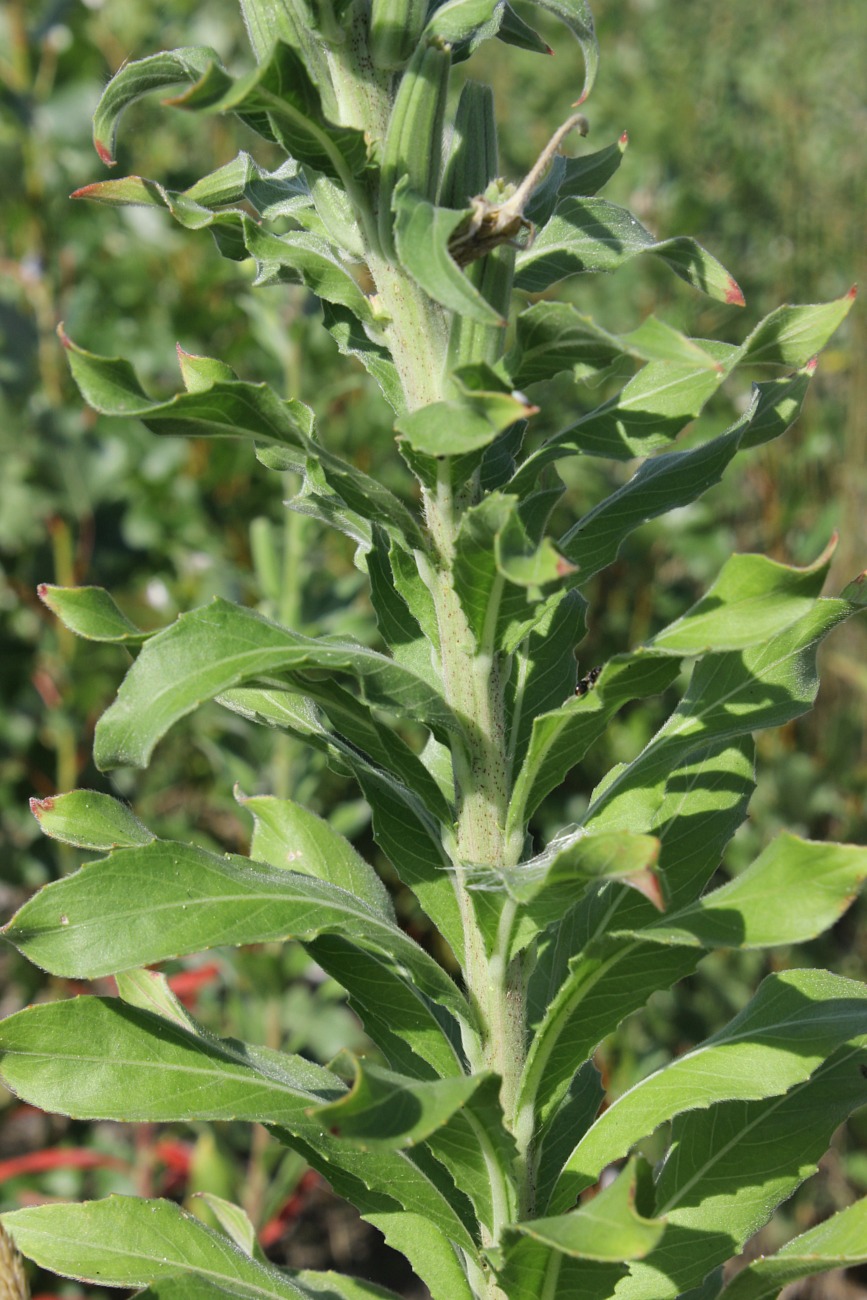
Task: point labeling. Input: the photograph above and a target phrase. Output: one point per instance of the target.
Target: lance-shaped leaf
(753, 598)
(561, 738)
(604, 983)
(227, 408)
(606, 1228)
(281, 92)
(480, 1154)
(90, 820)
(402, 826)
(545, 671)
(100, 1058)
(551, 337)
(410, 1030)
(729, 1167)
(497, 559)
(353, 341)
(675, 479)
(582, 176)
(91, 613)
(793, 891)
(280, 193)
(384, 1180)
(581, 1253)
(790, 335)
(795, 1020)
(548, 884)
(127, 1242)
(422, 233)
(142, 905)
(577, 17)
(213, 649)
(384, 1109)
(568, 1124)
(428, 1251)
(463, 424)
(171, 68)
(288, 835)
(297, 257)
(839, 1242)
(595, 235)
(730, 694)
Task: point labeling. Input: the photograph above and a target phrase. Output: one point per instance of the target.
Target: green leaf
(89, 820)
(139, 906)
(91, 613)
(384, 1109)
(456, 426)
(124, 1241)
(353, 341)
(551, 337)
(545, 671)
(480, 1154)
(213, 649)
(281, 92)
(457, 22)
(731, 1165)
(290, 836)
(794, 1021)
(100, 1058)
(582, 176)
(228, 408)
(428, 1251)
(791, 335)
(608, 1228)
(839, 1242)
(383, 1180)
(730, 694)
(675, 479)
(139, 78)
(422, 233)
(561, 738)
(595, 235)
(578, 18)
(412, 1033)
(793, 891)
(569, 1122)
(548, 884)
(752, 598)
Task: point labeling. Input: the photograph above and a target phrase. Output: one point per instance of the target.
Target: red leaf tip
(40, 806)
(812, 365)
(63, 336)
(42, 591)
(853, 292)
(734, 294)
(624, 140)
(105, 154)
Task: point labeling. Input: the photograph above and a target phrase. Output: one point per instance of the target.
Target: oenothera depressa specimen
(475, 1137)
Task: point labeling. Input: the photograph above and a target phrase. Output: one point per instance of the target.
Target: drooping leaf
(142, 905)
(427, 1250)
(731, 1165)
(839, 1242)
(795, 1020)
(223, 645)
(595, 235)
(128, 1242)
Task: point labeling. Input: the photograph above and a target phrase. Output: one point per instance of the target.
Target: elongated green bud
(395, 29)
(414, 141)
(472, 162)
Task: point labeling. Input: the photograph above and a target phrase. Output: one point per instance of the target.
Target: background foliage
(744, 124)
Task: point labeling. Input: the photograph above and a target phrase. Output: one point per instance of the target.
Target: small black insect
(587, 683)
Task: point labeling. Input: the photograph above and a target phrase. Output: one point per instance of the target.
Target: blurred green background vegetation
(746, 125)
